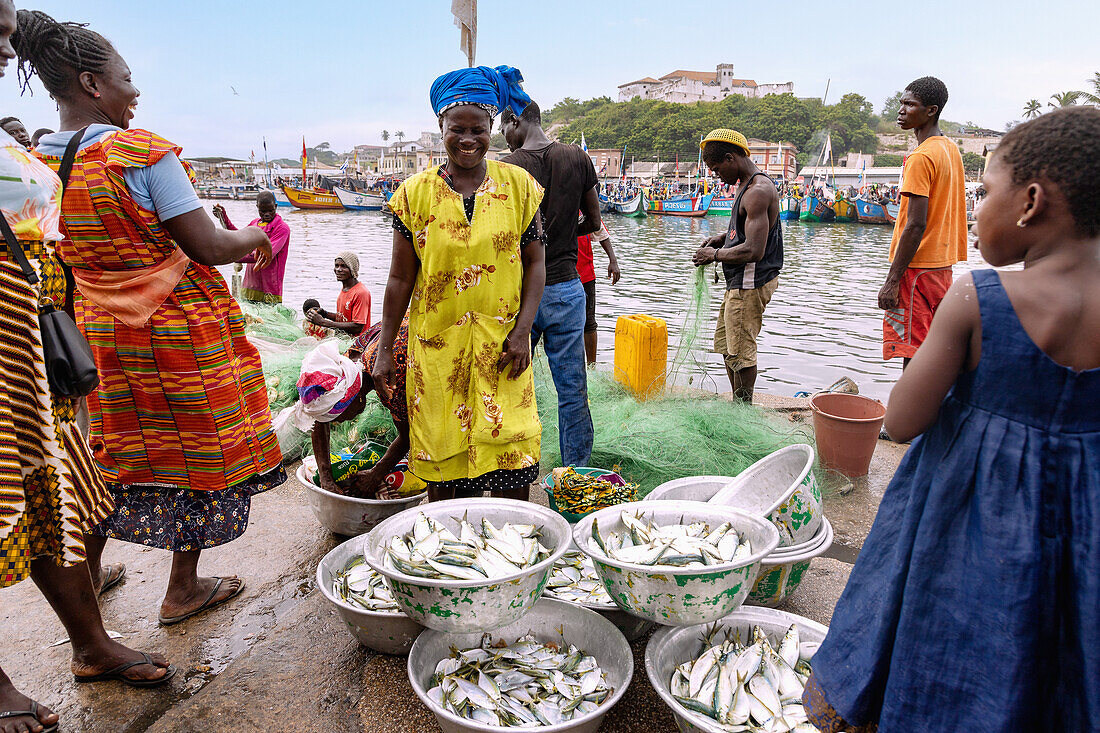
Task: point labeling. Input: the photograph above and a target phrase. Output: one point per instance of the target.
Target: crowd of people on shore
(489, 260)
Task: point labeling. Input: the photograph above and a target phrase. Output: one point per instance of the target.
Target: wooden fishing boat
(359, 201)
(628, 207)
(312, 199)
(874, 212)
(844, 211)
(280, 197)
(693, 206)
(816, 209)
(721, 206)
(789, 207)
(605, 204)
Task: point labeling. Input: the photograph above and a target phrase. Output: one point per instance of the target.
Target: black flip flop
(206, 605)
(117, 674)
(32, 713)
(112, 580)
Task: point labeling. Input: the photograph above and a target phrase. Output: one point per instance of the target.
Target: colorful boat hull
(789, 207)
(303, 199)
(629, 207)
(844, 211)
(358, 201)
(815, 209)
(721, 206)
(280, 197)
(874, 212)
(694, 206)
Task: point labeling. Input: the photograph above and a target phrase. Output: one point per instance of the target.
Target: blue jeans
(560, 324)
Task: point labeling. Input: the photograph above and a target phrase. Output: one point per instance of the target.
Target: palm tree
(400, 136)
(385, 135)
(1032, 108)
(1064, 99)
(1093, 97)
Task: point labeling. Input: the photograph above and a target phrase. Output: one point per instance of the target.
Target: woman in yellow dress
(467, 249)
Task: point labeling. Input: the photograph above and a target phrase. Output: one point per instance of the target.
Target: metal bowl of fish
(781, 574)
(574, 580)
(362, 601)
(468, 564)
(745, 672)
(676, 563)
(559, 668)
(780, 486)
(348, 515)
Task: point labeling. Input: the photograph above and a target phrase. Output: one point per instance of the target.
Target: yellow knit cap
(726, 135)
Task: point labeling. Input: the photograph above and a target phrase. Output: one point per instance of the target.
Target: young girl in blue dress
(975, 602)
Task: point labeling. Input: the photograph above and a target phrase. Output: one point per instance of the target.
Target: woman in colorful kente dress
(180, 425)
(50, 490)
(467, 248)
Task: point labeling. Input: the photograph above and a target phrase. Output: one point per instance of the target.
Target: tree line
(647, 126)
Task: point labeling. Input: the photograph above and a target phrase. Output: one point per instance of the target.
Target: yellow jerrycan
(641, 354)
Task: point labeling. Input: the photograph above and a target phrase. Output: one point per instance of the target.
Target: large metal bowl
(466, 605)
(548, 621)
(389, 632)
(678, 596)
(780, 575)
(690, 488)
(669, 648)
(780, 486)
(346, 515)
(631, 626)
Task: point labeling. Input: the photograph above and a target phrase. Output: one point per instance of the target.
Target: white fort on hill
(698, 86)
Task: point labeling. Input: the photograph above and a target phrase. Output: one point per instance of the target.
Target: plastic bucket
(846, 429)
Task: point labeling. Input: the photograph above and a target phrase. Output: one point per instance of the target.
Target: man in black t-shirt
(569, 181)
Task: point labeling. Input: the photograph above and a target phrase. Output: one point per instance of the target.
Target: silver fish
(692, 545)
(359, 585)
(746, 687)
(526, 684)
(478, 552)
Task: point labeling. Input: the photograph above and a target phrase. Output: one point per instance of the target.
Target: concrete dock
(278, 657)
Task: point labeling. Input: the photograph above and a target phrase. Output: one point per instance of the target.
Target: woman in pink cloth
(263, 285)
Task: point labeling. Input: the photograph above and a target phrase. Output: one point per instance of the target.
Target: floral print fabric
(466, 418)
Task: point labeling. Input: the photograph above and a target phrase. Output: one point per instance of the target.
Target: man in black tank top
(751, 253)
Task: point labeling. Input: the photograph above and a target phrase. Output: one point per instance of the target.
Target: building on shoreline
(684, 87)
(778, 160)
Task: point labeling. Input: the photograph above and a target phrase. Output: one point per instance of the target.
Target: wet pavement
(278, 657)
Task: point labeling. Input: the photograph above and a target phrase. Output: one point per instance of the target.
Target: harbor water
(823, 322)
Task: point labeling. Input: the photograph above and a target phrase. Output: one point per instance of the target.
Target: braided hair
(57, 52)
(1062, 147)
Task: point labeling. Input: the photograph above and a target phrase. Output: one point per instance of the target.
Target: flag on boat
(304, 160)
(344, 166)
(465, 13)
(252, 155)
(584, 145)
(827, 153)
(357, 169)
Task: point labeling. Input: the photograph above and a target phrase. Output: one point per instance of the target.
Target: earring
(1021, 223)
(96, 95)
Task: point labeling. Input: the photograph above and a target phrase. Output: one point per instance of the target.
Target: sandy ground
(278, 657)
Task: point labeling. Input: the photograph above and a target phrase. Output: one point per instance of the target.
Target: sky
(341, 71)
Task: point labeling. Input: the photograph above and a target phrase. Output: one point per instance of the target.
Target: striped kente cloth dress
(180, 425)
(50, 489)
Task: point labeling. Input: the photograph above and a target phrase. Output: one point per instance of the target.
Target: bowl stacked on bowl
(574, 580)
(348, 515)
(781, 486)
(686, 592)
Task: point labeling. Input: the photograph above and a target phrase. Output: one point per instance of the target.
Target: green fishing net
(684, 432)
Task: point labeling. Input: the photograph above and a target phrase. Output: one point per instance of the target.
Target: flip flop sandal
(32, 713)
(112, 580)
(206, 605)
(117, 674)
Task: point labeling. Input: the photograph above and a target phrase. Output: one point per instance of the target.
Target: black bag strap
(63, 172)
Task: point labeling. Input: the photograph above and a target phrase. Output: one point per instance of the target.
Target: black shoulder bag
(70, 367)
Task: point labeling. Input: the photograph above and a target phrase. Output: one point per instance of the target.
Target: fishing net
(683, 432)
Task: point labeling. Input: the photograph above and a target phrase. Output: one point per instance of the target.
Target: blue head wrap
(498, 88)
